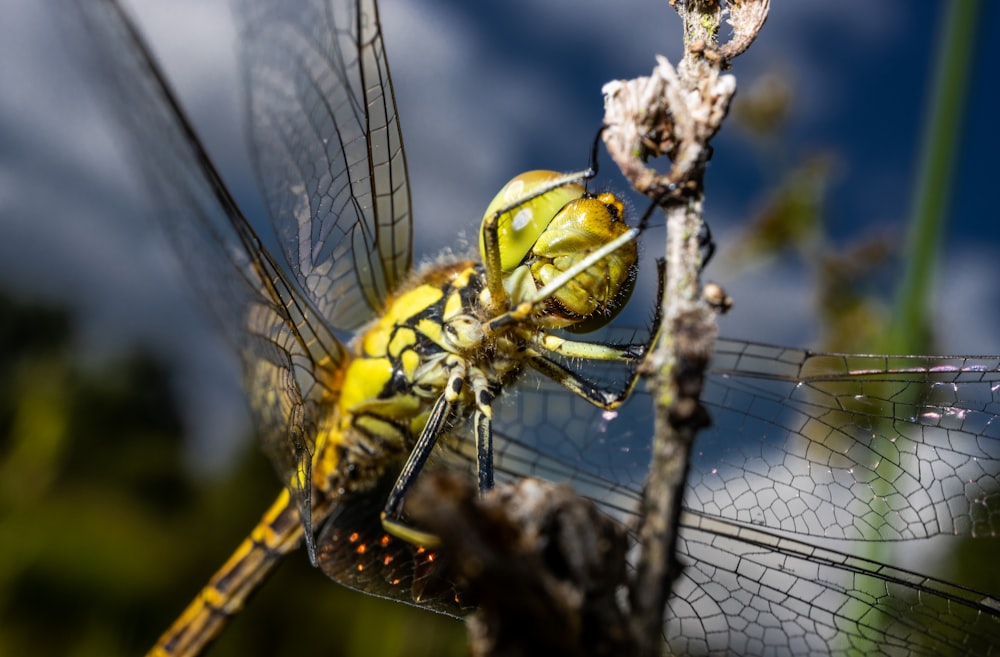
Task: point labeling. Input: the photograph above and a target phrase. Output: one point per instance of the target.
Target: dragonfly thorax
(405, 359)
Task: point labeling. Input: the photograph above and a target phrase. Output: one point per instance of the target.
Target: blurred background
(128, 469)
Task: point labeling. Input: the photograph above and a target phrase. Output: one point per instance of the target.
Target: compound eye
(522, 216)
(596, 294)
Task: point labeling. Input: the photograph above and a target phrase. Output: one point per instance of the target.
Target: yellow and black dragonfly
(362, 372)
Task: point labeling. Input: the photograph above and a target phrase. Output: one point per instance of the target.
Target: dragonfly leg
(483, 427)
(442, 414)
(588, 350)
(595, 351)
(596, 395)
(484, 450)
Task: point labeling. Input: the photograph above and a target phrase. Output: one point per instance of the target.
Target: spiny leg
(442, 415)
(596, 395)
(483, 424)
(483, 427)
(587, 350)
(596, 351)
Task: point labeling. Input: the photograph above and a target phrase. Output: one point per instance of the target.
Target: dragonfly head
(544, 232)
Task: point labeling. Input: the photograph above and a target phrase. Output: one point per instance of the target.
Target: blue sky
(487, 90)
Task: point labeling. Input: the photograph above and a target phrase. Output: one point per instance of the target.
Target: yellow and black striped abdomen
(278, 533)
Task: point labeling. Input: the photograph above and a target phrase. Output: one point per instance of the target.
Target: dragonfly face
(542, 233)
(805, 447)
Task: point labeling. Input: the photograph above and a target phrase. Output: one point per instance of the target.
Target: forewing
(280, 338)
(328, 150)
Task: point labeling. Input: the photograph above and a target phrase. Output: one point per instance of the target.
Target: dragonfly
(815, 465)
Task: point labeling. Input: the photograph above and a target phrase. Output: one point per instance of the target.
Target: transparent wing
(745, 591)
(851, 446)
(328, 150)
(814, 463)
(279, 337)
(827, 445)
